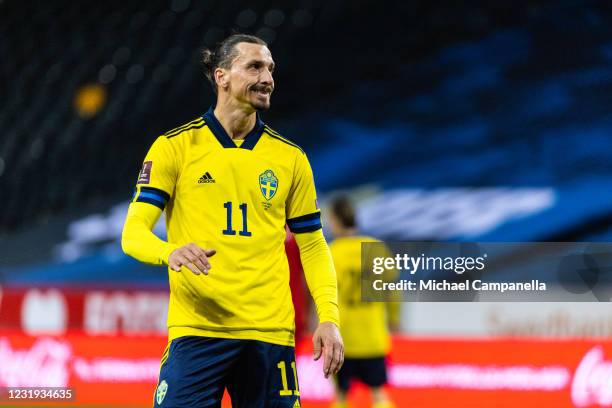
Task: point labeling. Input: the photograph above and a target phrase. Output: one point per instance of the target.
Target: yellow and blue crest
(268, 184)
(162, 389)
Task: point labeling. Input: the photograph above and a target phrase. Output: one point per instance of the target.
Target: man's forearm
(138, 239)
(320, 274)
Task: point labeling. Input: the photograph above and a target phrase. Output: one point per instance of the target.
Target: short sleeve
(303, 214)
(157, 178)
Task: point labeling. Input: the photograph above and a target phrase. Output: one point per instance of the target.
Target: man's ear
(221, 78)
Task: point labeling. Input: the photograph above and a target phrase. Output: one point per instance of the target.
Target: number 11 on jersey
(229, 230)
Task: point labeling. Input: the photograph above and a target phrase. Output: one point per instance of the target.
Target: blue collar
(226, 141)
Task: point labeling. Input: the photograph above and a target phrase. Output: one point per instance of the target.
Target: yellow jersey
(235, 198)
(364, 324)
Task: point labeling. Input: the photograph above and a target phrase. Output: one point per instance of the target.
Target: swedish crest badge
(268, 184)
(162, 388)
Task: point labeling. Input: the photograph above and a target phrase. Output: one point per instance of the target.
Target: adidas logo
(206, 178)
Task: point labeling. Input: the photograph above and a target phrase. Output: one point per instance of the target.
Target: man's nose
(266, 77)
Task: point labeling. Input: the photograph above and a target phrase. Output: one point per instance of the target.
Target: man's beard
(256, 103)
(260, 106)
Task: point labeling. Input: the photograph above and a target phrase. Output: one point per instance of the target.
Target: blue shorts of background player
(371, 371)
(195, 371)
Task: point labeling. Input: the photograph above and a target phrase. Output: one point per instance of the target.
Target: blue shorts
(196, 370)
(371, 371)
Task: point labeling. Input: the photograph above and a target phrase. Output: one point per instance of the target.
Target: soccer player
(229, 184)
(364, 324)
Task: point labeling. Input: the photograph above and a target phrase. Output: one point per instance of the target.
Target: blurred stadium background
(483, 122)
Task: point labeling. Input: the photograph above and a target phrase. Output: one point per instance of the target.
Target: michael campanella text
(444, 285)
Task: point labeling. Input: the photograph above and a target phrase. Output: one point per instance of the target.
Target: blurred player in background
(229, 184)
(365, 325)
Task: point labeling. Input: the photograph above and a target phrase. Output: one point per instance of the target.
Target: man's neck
(236, 122)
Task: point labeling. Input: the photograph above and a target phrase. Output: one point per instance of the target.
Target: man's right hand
(193, 257)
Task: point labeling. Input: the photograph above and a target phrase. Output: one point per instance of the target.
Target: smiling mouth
(262, 92)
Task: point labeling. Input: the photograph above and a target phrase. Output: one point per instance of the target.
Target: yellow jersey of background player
(364, 324)
(229, 184)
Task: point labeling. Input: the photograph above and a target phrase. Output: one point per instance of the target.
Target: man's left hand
(328, 342)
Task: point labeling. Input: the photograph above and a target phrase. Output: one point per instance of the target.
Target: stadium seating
(486, 101)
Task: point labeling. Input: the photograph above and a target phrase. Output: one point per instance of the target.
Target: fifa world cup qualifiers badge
(145, 174)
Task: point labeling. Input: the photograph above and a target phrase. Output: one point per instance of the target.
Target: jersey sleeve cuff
(331, 318)
(305, 223)
(167, 251)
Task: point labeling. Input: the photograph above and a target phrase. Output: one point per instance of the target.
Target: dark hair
(342, 207)
(224, 53)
